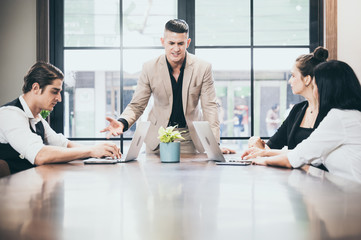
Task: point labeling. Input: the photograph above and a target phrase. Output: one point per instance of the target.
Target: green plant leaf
(44, 113)
(169, 134)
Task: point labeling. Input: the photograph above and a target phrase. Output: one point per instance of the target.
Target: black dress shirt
(177, 116)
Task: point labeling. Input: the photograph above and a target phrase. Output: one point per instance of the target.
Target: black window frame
(186, 11)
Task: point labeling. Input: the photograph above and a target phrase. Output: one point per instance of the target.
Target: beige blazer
(198, 90)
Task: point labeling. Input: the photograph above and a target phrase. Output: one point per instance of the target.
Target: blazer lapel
(187, 76)
(298, 120)
(165, 78)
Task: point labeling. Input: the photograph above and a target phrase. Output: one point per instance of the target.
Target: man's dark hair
(177, 25)
(42, 73)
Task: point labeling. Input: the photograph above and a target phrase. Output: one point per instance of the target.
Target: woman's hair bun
(321, 54)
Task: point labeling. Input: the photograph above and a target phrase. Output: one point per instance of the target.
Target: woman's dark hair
(177, 25)
(338, 86)
(42, 73)
(307, 62)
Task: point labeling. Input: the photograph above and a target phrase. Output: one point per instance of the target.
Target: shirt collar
(28, 112)
(182, 67)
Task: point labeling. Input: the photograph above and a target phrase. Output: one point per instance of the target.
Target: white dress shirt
(336, 143)
(15, 130)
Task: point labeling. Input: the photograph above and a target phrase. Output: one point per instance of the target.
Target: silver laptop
(212, 149)
(135, 146)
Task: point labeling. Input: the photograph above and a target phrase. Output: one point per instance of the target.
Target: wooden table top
(193, 199)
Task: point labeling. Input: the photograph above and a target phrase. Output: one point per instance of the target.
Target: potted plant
(169, 149)
(44, 113)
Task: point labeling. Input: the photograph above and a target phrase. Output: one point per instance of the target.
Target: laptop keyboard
(233, 158)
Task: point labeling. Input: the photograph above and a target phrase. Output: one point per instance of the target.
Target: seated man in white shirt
(26, 139)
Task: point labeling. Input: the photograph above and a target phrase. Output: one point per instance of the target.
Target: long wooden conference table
(193, 199)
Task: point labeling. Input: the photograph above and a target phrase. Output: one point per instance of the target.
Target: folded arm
(255, 152)
(280, 160)
(257, 142)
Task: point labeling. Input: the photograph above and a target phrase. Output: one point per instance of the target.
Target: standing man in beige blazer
(177, 81)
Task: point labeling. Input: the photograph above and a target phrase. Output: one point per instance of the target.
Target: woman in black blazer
(304, 117)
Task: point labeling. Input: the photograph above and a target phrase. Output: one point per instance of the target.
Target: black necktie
(40, 129)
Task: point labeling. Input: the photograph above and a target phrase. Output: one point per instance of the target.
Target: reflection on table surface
(193, 199)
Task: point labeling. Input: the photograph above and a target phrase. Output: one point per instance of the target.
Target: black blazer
(285, 134)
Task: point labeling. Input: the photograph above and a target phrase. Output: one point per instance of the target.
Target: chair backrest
(4, 168)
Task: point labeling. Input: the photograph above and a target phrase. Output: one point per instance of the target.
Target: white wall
(349, 33)
(17, 45)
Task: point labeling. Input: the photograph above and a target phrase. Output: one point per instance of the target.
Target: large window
(101, 46)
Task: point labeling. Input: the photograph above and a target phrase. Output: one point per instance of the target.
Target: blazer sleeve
(139, 100)
(209, 102)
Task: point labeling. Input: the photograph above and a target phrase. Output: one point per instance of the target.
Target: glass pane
(239, 145)
(231, 71)
(144, 21)
(281, 22)
(91, 23)
(89, 91)
(133, 62)
(222, 23)
(273, 97)
(95, 142)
